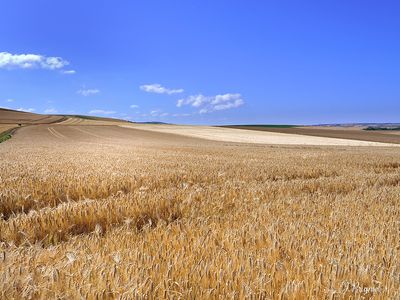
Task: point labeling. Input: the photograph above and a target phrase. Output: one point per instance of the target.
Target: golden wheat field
(104, 212)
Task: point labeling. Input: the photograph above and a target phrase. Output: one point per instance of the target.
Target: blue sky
(203, 62)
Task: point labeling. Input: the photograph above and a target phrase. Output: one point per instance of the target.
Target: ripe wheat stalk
(205, 221)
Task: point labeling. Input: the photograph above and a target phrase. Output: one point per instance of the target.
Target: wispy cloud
(159, 89)
(68, 72)
(156, 113)
(209, 104)
(102, 112)
(30, 61)
(26, 109)
(10, 100)
(50, 111)
(181, 115)
(134, 106)
(88, 92)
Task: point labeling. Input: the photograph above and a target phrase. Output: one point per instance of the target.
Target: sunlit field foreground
(110, 212)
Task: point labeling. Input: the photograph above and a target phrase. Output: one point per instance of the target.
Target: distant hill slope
(8, 116)
(12, 117)
(360, 125)
(154, 123)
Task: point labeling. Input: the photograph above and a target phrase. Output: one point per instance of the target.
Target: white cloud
(159, 89)
(227, 101)
(225, 98)
(30, 61)
(54, 63)
(134, 106)
(10, 100)
(50, 111)
(209, 104)
(102, 112)
(68, 72)
(26, 109)
(88, 92)
(195, 101)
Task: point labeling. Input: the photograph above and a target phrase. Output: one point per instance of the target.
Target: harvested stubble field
(5, 131)
(92, 121)
(349, 133)
(239, 135)
(13, 117)
(4, 128)
(111, 212)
